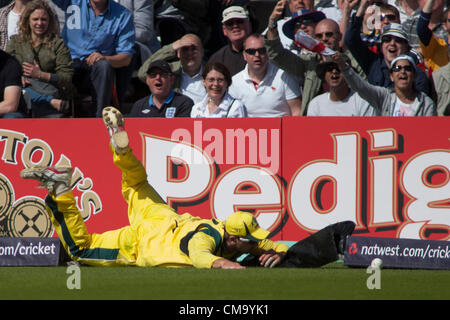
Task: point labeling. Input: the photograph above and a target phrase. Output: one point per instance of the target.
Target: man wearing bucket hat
(394, 42)
(157, 235)
(301, 13)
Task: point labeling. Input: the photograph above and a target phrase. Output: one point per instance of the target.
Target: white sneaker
(55, 179)
(115, 124)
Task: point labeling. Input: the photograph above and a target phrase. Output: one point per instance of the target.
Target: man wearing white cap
(236, 27)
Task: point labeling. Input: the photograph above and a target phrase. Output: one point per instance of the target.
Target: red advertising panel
(296, 175)
(389, 175)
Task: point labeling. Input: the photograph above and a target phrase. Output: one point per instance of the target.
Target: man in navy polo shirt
(100, 35)
(163, 102)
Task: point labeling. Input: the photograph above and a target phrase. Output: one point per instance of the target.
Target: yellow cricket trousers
(116, 247)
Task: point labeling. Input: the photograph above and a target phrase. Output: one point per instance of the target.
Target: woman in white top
(218, 103)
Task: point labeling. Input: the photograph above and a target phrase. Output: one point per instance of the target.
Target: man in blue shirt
(163, 102)
(100, 35)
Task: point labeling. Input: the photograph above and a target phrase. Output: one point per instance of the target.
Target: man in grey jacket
(402, 100)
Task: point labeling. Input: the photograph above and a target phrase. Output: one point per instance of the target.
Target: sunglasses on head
(407, 68)
(388, 39)
(252, 52)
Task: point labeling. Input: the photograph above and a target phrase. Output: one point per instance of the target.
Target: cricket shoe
(55, 179)
(116, 128)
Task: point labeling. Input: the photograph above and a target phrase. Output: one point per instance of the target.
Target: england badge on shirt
(170, 112)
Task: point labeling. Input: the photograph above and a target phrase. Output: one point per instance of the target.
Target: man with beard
(402, 100)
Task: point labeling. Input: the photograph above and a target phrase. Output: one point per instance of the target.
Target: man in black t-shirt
(11, 101)
(236, 27)
(163, 102)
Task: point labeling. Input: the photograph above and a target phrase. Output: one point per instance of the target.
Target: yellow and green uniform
(156, 236)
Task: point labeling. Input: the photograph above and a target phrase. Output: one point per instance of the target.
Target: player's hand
(226, 264)
(271, 258)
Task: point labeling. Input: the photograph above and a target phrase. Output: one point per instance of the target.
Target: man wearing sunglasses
(265, 90)
(376, 17)
(236, 27)
(401, 100)
(340, 100)
(394, 41)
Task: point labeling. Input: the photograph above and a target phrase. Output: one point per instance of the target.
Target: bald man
(188, 52)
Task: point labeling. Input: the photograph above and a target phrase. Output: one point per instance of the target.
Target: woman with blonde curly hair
(45, 59)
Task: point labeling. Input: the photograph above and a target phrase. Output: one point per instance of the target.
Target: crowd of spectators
(219, 58)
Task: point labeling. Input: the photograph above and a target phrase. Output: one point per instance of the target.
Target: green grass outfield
(331, 282)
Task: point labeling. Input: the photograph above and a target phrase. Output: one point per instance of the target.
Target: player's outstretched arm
(226, 264)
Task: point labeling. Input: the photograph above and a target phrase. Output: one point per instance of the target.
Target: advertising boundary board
(397, 253)
(295, 174)
(30, 251)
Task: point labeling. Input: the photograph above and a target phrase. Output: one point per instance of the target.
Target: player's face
(236, 29)
(255, 54)
(39, 22)
(159, 82)
(403, 75)
(392, 47)
(215, 84)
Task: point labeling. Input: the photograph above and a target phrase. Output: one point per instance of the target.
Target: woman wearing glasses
(401, 100)
(217, 103)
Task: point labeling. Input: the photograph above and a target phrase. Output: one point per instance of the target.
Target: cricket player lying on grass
(158, 236)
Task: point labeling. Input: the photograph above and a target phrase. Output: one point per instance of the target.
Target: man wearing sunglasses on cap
(265, 90)
(340, 101)
(394, 41)
(401, 100)
(304, 66)
(236, 27)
